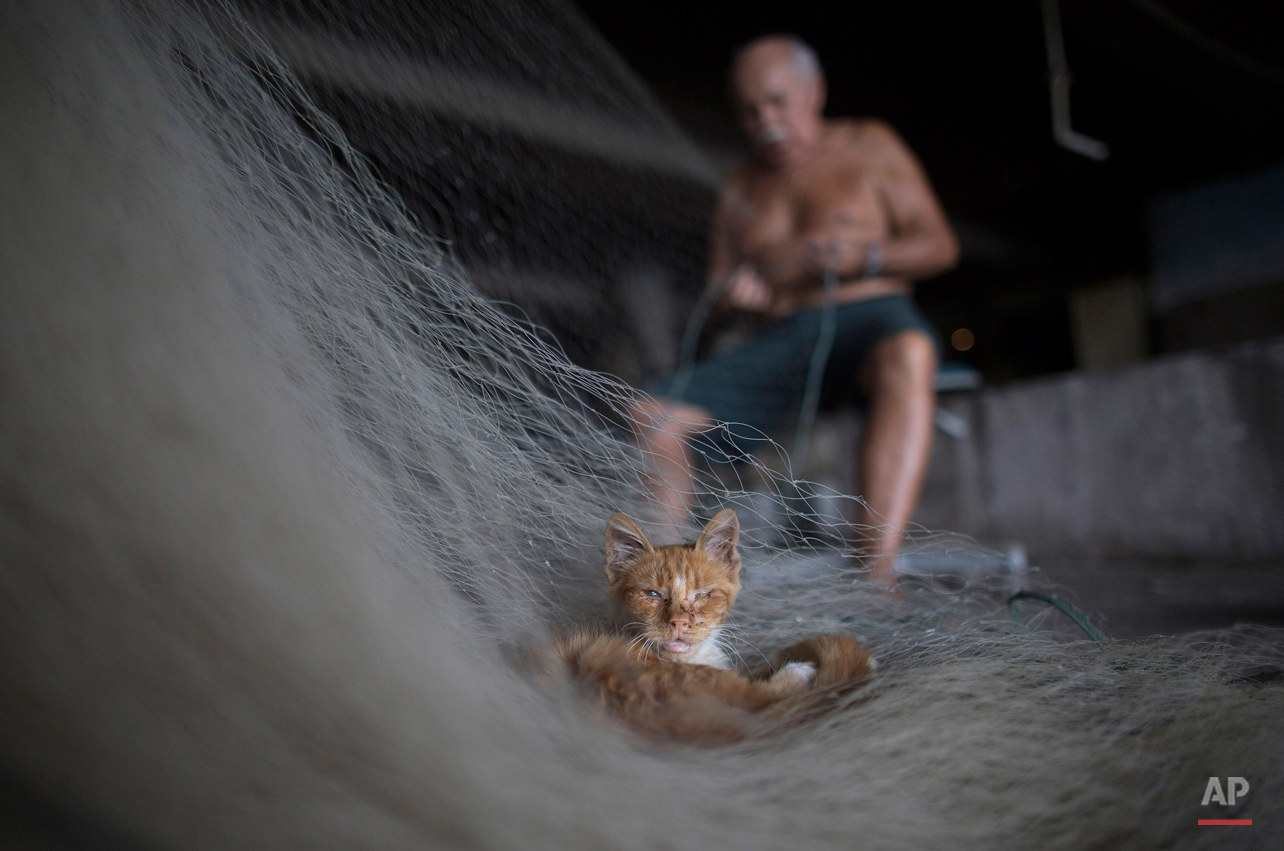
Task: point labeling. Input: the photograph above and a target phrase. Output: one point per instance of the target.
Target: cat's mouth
(675, 645)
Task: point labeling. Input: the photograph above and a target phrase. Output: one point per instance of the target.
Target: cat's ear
(624, 542)
(719, 539)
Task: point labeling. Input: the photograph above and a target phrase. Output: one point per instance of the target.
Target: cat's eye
(653, 593)
(697, 595)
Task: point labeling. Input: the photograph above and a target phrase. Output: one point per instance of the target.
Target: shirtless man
(816, 195)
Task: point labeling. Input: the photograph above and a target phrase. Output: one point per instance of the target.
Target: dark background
(1183, 92)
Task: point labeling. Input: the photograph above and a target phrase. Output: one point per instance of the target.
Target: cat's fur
(660, 667)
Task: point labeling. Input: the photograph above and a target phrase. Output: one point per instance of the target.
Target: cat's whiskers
(740, 632)
(734, 652)
(727, 647)
(641, 638)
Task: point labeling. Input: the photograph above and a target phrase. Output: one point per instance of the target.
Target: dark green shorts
(757, 389)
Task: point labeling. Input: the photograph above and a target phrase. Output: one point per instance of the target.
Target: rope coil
(1080, 619)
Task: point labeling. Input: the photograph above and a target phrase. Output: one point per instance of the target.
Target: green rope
(1080, 619)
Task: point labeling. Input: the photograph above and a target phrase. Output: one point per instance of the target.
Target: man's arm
(723, 255)
(921, 242)
(746, 290)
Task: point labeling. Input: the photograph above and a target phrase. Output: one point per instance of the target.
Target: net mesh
(475, 455)
(517, 137)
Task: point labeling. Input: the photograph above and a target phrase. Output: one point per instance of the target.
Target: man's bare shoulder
(870, 135)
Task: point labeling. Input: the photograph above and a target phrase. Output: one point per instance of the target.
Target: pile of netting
(282, 493)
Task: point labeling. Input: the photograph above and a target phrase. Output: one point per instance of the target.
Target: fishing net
(517, 137)
(286, 491)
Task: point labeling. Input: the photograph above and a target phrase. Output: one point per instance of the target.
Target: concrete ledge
(1179, 457)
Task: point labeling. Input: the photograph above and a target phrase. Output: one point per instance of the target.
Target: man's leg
(899, 379)
(664, 430)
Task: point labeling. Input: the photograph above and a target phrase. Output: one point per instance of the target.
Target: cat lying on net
(661, 669)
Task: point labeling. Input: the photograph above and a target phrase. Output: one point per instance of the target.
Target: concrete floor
(1130, 598)
(1127, 598)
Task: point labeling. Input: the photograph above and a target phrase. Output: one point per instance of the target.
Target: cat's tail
(840, 660)
(830, 666)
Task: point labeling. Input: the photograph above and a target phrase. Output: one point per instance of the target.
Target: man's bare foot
(883, 572)
(878, 569)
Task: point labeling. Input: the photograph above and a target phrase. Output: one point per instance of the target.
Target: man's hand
(748, 291)
(844, 255)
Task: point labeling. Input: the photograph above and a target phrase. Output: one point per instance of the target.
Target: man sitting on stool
(817, 195)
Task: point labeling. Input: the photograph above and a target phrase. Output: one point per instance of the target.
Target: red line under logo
(1248, 821)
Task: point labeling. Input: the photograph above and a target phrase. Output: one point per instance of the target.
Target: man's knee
(903, 361)
(666, 417)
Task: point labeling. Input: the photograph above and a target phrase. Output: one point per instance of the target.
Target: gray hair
(806, 60)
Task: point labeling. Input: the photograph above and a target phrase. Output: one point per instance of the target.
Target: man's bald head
(783, 46)
(780, 93)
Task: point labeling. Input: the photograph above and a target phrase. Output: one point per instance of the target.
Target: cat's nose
(679, 625)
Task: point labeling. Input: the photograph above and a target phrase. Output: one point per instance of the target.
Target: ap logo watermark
(1215, 793)
(1236, 788)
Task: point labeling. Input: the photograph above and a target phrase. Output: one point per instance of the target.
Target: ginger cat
(660, 668)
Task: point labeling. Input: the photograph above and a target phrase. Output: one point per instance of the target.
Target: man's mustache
(772, 135)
